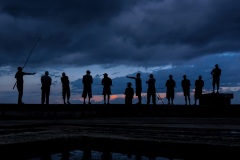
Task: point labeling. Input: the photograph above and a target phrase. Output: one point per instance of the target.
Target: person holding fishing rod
(151, 91)
(19, 77)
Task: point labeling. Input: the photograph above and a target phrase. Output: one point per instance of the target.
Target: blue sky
(120, 38)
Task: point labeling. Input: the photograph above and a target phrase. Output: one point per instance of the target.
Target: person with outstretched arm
(19, 77)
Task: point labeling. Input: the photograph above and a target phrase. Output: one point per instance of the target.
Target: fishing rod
(29, 57)
(159, 97)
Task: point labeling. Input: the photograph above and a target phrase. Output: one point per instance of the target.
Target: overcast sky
(120, 37)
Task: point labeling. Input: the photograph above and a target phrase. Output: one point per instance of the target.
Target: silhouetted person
(216, 73)
(65, 88)
(46, 81)
(19, 77)
(151, 91)
(107, 83)
(199, 83)
(138, 85)
(170, 84)
(87, 81)
(129, 93)
(186, 89)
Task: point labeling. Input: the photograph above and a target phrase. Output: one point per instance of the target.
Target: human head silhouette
(105, 74)
(20, 68)
(138, 74)
(88, 72)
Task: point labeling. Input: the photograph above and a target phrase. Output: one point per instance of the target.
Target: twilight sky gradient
(120, 37)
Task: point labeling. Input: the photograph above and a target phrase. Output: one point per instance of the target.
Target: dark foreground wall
(180, 132)
(171, 137)
(38, 111)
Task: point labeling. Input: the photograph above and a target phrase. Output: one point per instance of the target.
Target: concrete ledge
(37, 111)
(187, 138)
(171, 131)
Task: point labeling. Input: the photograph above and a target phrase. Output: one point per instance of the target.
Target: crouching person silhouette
(129, 93)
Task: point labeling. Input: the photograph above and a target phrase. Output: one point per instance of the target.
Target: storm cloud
(137, 32)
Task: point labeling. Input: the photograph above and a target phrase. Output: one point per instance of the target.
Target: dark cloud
(139, 32)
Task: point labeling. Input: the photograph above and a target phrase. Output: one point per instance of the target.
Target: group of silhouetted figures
(87, 81)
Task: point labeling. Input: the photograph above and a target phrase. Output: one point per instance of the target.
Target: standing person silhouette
(138, 85)
(199, 83)
(186, 89)
(129, 93)
(107, 83)
(170, 84)
(87, 81)
(65, 88)
(151, 91)
(19, 77)
(46, 81)
(216, 73)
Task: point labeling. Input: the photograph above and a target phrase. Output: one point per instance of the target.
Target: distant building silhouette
(46, 81)
(199, 83)
(170, 93)
(138, 85)
(107, 83)
(87, 81)
(186, 89)
(151, 91)
(65, 88)
(216, 73)
(129, 93)
(19, 77)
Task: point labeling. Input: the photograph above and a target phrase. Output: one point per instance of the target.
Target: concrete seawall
(175, 132)
(36, 111)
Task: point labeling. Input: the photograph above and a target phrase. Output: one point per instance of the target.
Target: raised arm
(29, 73)
(131, 77)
